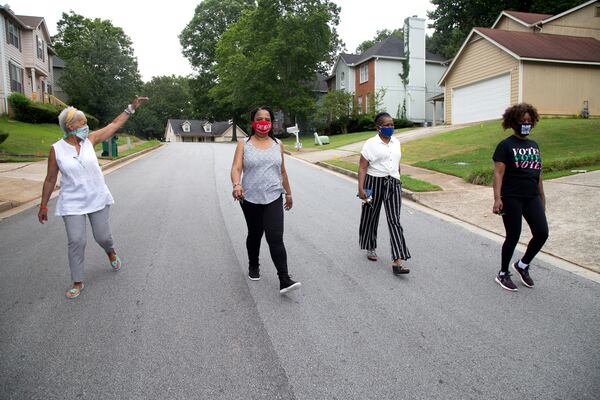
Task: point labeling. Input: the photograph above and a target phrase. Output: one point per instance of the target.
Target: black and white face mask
(525, 129)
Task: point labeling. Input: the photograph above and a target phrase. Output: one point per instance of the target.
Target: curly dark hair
(512, 116)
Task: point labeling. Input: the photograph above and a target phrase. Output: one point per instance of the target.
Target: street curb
(15, 209)
(118, 161)
(409, 194)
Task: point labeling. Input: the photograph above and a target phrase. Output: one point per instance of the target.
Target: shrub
(361, 123)
(3, 136)
(402, 123)
(31, 112)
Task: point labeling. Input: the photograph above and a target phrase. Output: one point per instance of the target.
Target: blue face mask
(386, 131)
(81, 133)
(525, 129)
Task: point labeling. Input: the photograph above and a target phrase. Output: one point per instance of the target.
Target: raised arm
(105, 133)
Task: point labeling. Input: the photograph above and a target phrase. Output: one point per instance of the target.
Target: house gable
(583, 21)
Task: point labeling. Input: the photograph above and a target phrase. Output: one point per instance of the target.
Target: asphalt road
(182, 320)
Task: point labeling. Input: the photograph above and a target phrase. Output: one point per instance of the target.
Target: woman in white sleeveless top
(83, 191)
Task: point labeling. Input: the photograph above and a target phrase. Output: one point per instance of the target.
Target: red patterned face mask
(262, 128)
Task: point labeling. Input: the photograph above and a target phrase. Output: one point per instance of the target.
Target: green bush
(92, 121)
(361, 123)
(31, 112)
(402, 123)
(3, 136)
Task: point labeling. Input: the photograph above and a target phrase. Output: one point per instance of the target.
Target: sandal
(116, 265)
(73, 292)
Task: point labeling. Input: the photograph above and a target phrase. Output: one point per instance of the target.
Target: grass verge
(565, 144)
(308, 142)
(412, 184)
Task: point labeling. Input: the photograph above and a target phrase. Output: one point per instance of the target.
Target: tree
(199, 41)
(379, 36)
(101, 74)
(170, 97)
(454, 19)
(270, 55)
(336, 106)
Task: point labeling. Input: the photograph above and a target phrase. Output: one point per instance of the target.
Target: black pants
(386, 191)
(516, 208)
(267, 219)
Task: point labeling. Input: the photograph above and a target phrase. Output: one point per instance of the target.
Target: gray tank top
(261, 179)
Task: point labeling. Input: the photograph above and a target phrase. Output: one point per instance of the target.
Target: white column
(33, 85)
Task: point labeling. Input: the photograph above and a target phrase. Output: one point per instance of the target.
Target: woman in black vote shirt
(519, 192)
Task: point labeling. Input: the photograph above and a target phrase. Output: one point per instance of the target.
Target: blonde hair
(67, 116)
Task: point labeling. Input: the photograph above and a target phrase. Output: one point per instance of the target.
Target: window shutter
(6, 25)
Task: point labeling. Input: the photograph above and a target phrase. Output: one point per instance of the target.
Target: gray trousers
(76, 236)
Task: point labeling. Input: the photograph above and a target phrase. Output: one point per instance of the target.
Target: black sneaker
(400, 270)
(505, 281)
(254, 274)
(524, 275)
(287, 285)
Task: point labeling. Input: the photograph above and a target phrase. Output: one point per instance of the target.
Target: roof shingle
(528, 18)
(545, 46)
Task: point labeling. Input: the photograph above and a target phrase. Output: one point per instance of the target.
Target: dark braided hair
(253, 114)
(380, 116)
(512, 116)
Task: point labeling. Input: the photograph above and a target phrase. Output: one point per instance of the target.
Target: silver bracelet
(129, 110)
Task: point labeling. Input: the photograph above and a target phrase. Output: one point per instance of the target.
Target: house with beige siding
(550, 61)
(191, 130)
(25, 57)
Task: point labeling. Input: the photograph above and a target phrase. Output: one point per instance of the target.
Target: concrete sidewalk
(573, 210)
(354, 148)
(21, 183)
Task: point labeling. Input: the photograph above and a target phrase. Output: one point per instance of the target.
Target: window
(208, 127)
(598, 11)
(343, 80)
(16, 78)
(360, 109)
(186, 126)
(40, 48)
(13, 34)
(367, 103)
(364, 72)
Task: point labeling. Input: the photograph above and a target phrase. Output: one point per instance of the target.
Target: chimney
(414, 42)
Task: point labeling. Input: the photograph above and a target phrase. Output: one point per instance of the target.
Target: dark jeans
(267, 219)
(532, 210)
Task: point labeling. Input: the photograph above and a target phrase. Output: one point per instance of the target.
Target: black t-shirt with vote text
(523, 166)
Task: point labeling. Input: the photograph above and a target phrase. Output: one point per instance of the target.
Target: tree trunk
(234, 133)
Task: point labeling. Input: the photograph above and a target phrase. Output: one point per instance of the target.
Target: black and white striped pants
(386, 190)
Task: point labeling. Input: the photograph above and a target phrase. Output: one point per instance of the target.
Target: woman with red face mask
(259, 182)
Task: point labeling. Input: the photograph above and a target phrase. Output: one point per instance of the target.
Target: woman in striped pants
(379, 183)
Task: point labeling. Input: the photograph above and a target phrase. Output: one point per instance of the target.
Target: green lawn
(409, 183)
(308, 142)
(31, 142)
(565, 144)
(27, 139)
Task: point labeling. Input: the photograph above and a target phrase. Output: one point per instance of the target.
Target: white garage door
(481, 101)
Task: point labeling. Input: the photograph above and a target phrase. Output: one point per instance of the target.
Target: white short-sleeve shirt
(384, 158)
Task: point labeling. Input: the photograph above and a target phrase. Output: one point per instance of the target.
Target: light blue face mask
(386, 131)
(81, 133)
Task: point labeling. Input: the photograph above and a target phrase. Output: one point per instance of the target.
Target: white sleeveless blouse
(82, 186)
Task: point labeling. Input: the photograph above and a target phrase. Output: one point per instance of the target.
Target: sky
(154, 30)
